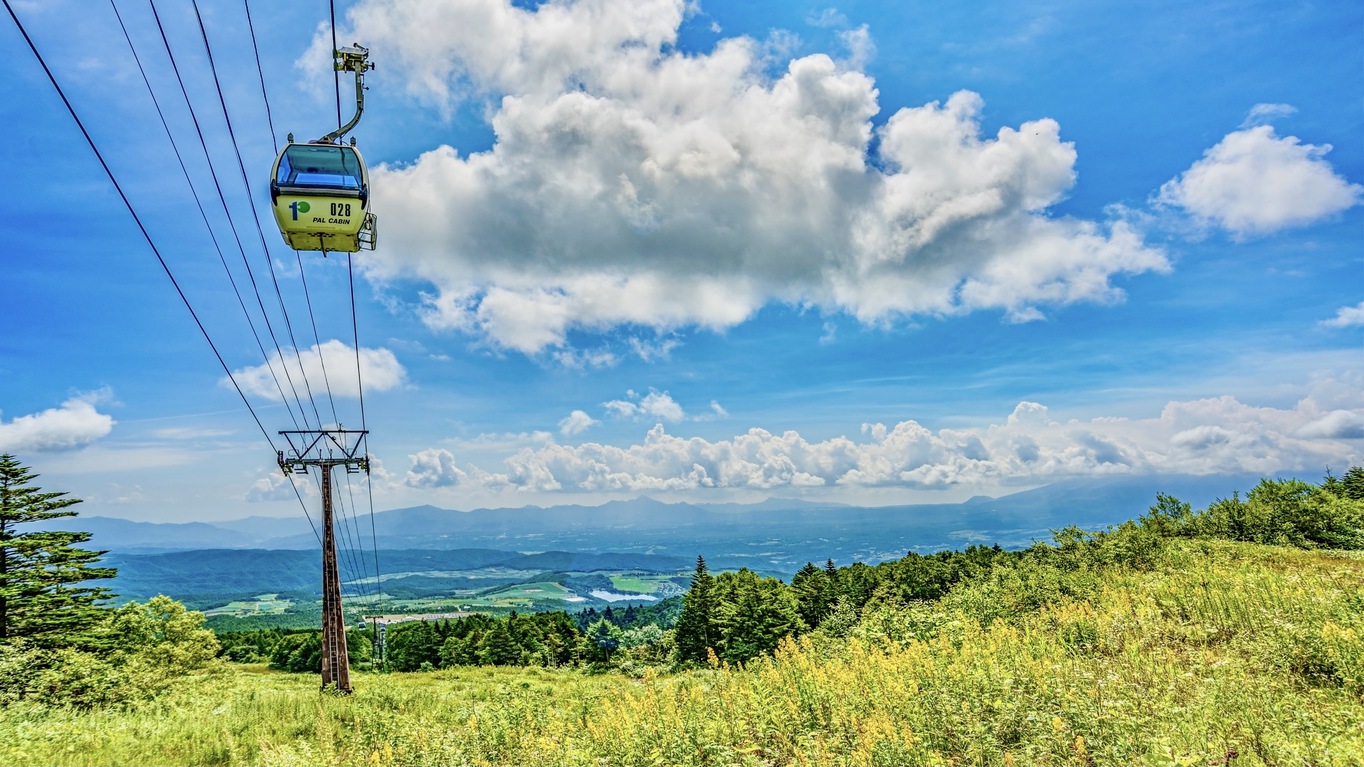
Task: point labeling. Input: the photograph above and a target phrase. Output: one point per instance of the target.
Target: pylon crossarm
(348, 451)
(339, 438)
(299, 454)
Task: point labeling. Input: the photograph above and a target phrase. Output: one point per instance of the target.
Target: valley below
(264, 572)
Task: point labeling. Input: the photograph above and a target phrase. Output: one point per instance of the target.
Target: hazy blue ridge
(420, 555)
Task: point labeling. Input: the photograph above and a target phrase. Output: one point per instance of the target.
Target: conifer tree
(497, 648)
(832, 590)
(753, 614)
(408, 645)
(695, 632)
(811, 587)
(1352, 484)
(41, 598)
(606, 635)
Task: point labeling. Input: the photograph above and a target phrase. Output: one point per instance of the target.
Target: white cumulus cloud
(1337, 424)
(1208, 436)
(75, 424)
(631, 185)
(655, 405)
(434, 467)
(328, 367)
(1256, 182)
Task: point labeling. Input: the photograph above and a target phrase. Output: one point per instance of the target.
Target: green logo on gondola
(301, 206)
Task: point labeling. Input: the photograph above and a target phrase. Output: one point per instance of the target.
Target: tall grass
(1225, 654)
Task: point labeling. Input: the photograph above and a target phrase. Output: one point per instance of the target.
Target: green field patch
(536, 590)
(263, 604)
(519, 596)
(642, 584)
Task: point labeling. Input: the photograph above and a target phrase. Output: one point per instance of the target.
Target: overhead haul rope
(336, 73)
(355, 325)
(222, 199)
(269, 120)
(140, 226)
(352, 550)
(360, 386)
(241, 249)
(203, 214)
(317, 339)
(350, 518)
(199, 202)
(348, 521)
(246, 184)
(274, 143)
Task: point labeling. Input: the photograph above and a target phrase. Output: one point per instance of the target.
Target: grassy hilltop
(1166, 641)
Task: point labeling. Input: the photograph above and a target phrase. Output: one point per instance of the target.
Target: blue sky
(866, 252)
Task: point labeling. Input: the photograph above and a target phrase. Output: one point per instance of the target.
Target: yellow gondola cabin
(320, 193)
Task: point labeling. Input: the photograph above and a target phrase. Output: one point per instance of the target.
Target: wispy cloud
(1347, 317)
(277, 486)
(190, 433)
(1262, 114)
(577, 422)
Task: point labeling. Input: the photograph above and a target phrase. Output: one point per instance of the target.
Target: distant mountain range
(775, 534)
(425, 551)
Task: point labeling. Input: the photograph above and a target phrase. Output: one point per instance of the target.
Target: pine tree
(40, 571)
(497, 648)
(832, 589)
(1352, 484)
(410, 645)
(811, 587)
(753, 614)
(695, 633)
(606, 635)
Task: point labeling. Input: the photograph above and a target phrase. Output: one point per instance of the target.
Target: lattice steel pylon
(326, 448)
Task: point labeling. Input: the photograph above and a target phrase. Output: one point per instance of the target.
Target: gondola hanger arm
(351, 59)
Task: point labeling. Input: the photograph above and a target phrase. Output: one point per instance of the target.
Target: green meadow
(1217, 653)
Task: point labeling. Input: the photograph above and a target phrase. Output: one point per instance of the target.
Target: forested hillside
(739, 615)
(1232, 634)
